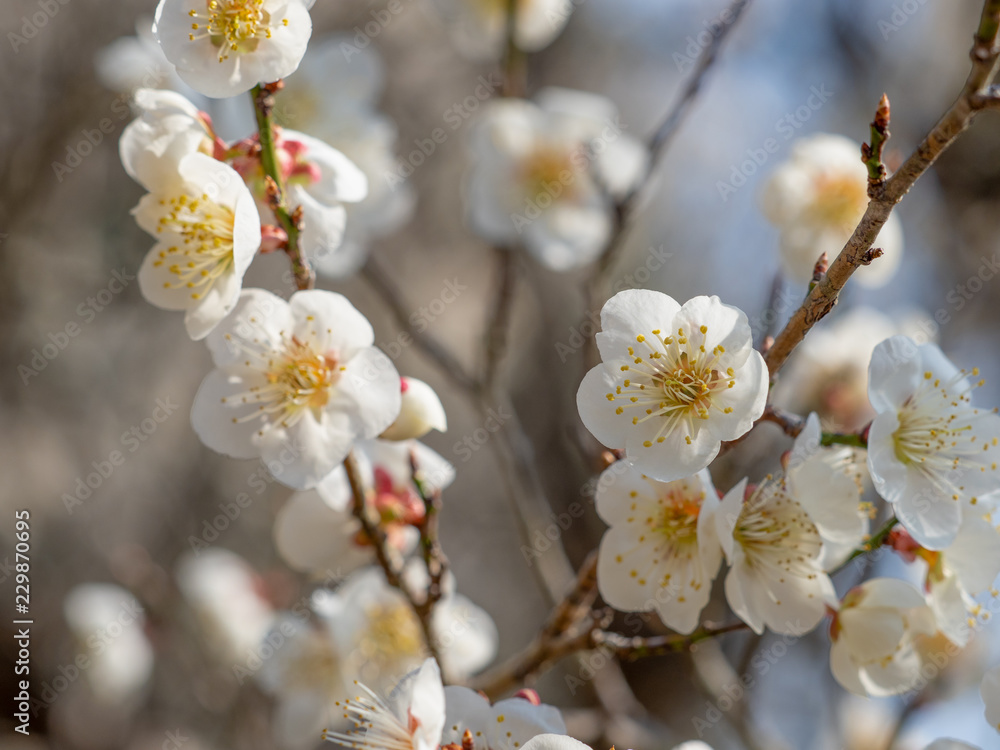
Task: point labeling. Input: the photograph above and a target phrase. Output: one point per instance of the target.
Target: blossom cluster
(299, 384)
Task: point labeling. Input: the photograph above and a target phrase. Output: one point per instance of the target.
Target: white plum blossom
(662, 551)
(226, 47)
(107, 624)
(207, 233)
(480, 28)
(224, 593)
(505, 725)
(674, 383)
(930, 452)
(296, 383)
(990, 692)
(827, 484)
(874, 636)
(134, 62)
(381, 638)
(410, 718)
(334, 96)
(773, 548)
(816, 199)
(316, 531)
(546, 175)
(421, 412)
(304, 675)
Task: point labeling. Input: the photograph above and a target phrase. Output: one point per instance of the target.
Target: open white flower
(107, 624)
(346, 117)
(480, 28)
(546, 175)
(304, 675)
(773, 548)
(381, 638)
(990, 692)
(207, 231)
(316, 531)
(505, 725)
(297, 383)
(873, 636)
(421, 412)
(662, 551)
(410, 718)
(226, 47)
(929, 450)
(816, 199)
(674, 382)
(827, 484)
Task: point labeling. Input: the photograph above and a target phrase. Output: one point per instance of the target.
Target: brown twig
(387, 558)
(662, 137)
(885, 195)
(497, 329)
(430, 542)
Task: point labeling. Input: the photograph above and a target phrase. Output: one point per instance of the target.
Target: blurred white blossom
(816, 199)
(479, 27)
(546, 174)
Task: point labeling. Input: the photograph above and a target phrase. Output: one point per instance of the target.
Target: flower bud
(421, 412)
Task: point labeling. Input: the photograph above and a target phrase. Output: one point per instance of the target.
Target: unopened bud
(420, 412)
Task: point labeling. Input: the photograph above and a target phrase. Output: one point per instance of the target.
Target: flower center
(676, 381)
(316, 666)
(840, 200)
(233, 26)
(775, 532)
(678, 521)
(297, 379)
(376, 725)
(205, 250)
(392, 632)
(549, 170)
(937, 433)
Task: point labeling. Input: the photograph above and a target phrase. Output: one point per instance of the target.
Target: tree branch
(858, 250)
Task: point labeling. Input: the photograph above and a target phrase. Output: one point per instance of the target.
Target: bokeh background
(63, 234)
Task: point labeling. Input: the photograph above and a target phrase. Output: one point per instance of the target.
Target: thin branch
(871, 154)
(430, 542)
(387, 558)
(875, 541)
(291, 222)
(662, 137)
(858, 251)
(499, 323)
(392, 296)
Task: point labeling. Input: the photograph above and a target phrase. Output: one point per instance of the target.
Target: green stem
(263, 105)
(836, 438)
(876, 540)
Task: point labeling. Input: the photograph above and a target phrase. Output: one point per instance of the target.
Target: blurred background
(68, 254)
